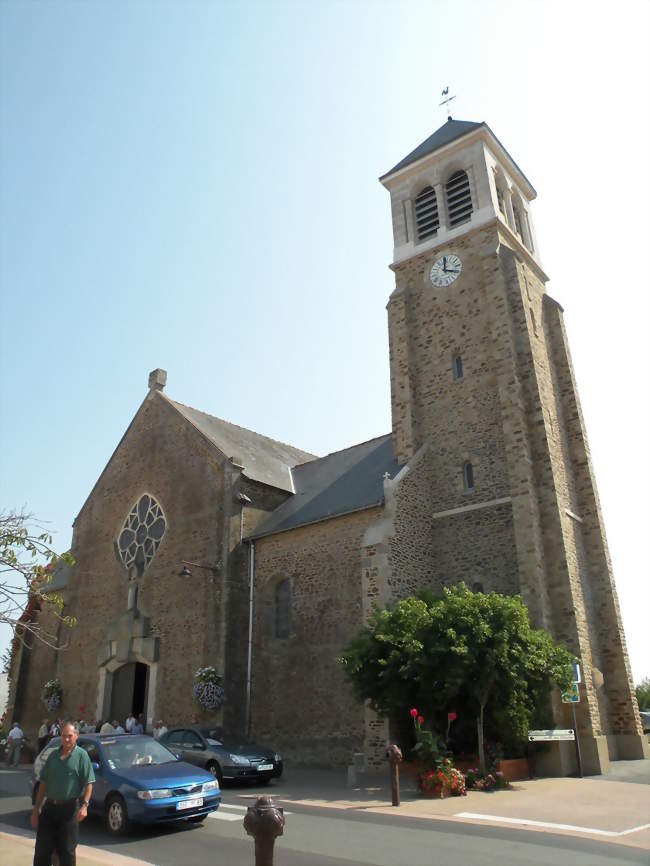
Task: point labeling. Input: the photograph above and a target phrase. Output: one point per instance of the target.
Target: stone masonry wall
(453, 421)
(301, 702)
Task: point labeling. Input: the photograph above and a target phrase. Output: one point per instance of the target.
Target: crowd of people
(132, 725)
(50, 729)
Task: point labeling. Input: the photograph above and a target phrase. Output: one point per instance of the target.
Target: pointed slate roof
(447, 133)
(261, 458)
(340, 483)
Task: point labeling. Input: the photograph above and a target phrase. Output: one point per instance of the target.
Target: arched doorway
(129, 690)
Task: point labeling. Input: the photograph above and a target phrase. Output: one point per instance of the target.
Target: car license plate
(190, 804)
(265, 766)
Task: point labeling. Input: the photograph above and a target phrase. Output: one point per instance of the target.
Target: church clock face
(445, 270)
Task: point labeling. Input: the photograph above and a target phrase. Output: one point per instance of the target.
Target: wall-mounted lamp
(185, 571)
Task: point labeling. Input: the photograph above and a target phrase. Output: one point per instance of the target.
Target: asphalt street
(323, 837)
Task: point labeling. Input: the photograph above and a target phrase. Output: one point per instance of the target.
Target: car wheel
(196, 819)
(116, 817)
(213, 767)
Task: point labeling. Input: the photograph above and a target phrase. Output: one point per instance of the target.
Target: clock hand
(444, 264)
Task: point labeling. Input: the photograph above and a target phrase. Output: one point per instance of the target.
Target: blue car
(139, 780)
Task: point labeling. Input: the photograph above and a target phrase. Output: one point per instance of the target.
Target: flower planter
(514, 769)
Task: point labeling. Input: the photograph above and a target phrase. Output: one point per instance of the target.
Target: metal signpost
(573, 697)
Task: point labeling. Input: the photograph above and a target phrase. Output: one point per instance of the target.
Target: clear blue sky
(193, 185)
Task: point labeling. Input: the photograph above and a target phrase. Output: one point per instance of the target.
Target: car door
(173, 740)
(100, 786)
(193, 748)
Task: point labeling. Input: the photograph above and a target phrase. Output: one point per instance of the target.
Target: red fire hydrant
(394, 755)
(264, 822)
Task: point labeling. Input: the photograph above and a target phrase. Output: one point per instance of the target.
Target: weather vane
(447, 99)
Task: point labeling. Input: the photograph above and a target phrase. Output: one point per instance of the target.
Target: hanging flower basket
(52, 695)
(208, 691)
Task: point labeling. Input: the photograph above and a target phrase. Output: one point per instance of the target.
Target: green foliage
(27, 561)
(643, 694)
(474, 652)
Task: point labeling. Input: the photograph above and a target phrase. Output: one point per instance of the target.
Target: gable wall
(160, 454)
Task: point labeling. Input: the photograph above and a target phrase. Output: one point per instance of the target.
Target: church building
(206, 544)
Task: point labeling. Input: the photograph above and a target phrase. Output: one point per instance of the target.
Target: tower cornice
(448, 241)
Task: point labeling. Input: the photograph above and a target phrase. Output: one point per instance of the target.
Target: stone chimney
(157, 380)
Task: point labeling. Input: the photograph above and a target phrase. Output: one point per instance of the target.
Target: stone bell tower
(498, 488)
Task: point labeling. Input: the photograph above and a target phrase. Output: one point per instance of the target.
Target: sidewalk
(19, 851)
(599, 807)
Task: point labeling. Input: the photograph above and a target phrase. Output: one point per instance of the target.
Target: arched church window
(283, 609)
(459, 198)
(468, 476)
(141, 533)
(426, 213)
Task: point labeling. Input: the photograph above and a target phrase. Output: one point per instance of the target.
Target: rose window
(141, 534)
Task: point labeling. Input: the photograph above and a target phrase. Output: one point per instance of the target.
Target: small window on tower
(458, 367)
(468, 476)
(283, 609)
(459, 198)
(426, 213)
(500, 201)
(517, 214)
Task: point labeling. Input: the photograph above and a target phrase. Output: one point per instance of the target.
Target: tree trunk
(481, 750)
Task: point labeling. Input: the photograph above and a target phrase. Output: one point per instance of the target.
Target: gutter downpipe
(249, 672)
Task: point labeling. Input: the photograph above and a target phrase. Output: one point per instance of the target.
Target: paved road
(326, 837)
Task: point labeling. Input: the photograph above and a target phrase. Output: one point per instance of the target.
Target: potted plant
(52, 695)
(438, 777)
(208, 690)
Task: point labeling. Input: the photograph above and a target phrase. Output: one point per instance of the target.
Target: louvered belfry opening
(426, 213)
(459, 198)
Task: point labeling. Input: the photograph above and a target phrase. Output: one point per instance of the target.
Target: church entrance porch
(129, 691)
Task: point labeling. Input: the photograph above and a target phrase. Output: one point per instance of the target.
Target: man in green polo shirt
(67, 782)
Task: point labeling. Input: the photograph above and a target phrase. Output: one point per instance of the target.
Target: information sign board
(551, 736)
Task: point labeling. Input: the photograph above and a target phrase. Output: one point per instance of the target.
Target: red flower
(420, 719)
(414, 713)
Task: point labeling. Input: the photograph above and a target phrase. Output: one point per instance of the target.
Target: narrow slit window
(426, 213)
(283, 609)
(459, 198)
(515, 210)
(500, 201)
(458, 367)
(468, 476)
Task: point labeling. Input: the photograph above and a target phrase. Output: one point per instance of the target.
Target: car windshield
(129, 752)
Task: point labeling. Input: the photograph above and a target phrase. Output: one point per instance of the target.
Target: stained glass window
(141, 533)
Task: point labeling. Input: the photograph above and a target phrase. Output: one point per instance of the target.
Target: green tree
(643, 694)
(462, 649)
(27, 561)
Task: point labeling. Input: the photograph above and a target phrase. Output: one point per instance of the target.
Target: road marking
(550, 825)
(223, 815)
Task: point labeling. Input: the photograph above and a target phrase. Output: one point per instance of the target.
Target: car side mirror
(199, 747)
(178, 755)
(96, 767)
